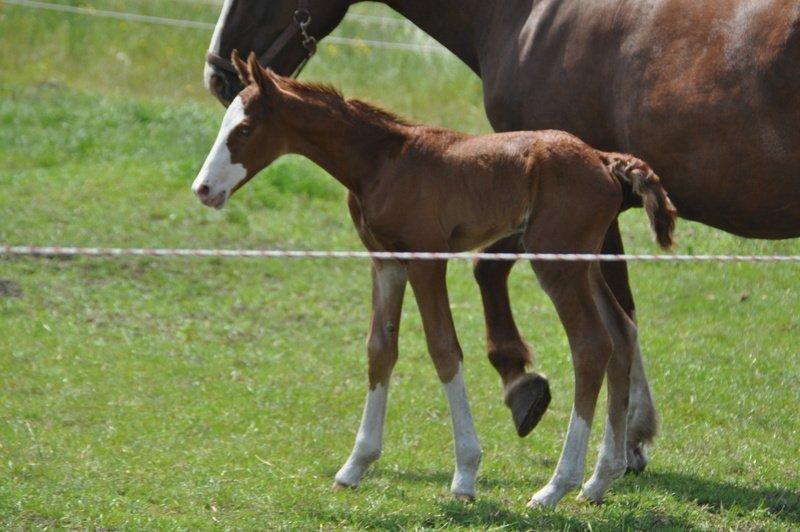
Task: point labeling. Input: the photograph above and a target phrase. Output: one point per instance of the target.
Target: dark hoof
(528, 399)
(637, 459)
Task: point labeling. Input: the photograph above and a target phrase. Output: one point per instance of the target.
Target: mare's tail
(640, 178)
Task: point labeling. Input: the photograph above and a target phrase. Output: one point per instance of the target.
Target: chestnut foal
(417, 188)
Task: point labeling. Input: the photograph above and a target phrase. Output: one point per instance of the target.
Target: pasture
(204, 393)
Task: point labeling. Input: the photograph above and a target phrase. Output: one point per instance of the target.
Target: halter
(299, 25)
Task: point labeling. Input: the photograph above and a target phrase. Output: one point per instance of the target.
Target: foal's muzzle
(209, 199)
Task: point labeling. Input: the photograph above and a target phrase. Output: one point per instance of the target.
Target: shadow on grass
(485, 514)
(720, 496)
(432, 478)
(712, 496)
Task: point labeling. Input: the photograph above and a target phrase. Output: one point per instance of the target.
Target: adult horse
(707, 91)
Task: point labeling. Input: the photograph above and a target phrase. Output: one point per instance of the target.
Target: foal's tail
(640, 178)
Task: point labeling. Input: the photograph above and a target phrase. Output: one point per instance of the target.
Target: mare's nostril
(203, 191)
(217, 85)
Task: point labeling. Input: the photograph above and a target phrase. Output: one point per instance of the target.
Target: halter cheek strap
(298, 28)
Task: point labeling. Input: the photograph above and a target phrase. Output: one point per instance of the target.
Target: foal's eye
(244, 131)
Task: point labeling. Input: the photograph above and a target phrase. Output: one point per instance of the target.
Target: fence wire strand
(421, 48)
(59, 251)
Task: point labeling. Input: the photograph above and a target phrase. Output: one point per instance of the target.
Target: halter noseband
(299, 25)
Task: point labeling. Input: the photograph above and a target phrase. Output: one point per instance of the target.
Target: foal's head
(251, 136)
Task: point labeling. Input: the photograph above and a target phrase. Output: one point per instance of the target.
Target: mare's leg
(428, 279)
(642, 416)
(526, 394)
(388, 287)
(611, 463)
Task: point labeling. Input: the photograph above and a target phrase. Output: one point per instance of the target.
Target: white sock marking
(468, 450)
(569, 471)
(369, 440)
(611, 465)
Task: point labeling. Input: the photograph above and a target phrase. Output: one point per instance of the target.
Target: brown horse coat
(707, 91)
(417, 188)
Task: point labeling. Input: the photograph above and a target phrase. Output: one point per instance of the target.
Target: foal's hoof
(338, 486)
(464, 497)
(584, 497)
(528, 399)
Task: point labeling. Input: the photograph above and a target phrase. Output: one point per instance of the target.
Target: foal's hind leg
(642, 416)
(428, 279)
(611, 463)
(593, 204)
(388, 287)
(568, 286)
(526, 394)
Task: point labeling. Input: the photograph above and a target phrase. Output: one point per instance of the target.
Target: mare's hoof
(637, 459)
(528, 399)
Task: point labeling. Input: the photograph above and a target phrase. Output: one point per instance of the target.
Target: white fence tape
(58, 251)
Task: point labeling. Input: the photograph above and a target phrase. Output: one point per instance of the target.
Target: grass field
(186, 394)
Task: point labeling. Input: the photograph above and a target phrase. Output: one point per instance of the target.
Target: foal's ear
(241, 68)
(259, 76)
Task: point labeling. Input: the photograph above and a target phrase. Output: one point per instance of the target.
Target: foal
(417, 188)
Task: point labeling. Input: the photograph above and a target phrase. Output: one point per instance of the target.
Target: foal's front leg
(388, 288)
(428, 281)
(526, 394)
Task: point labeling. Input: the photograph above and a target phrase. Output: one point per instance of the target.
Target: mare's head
(282, 34)
(251, 136)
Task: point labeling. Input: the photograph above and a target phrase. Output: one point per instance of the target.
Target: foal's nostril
(203, 191)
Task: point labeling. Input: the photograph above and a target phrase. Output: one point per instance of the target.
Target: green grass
(184, 394)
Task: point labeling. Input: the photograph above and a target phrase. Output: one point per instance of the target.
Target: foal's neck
(350, 139)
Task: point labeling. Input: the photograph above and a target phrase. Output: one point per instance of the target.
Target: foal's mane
(334, 100)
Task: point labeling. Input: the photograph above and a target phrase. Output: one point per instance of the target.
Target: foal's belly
(463, 240)
(445, 229)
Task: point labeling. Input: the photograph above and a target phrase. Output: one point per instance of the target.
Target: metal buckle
(310, 44)
(302, 17)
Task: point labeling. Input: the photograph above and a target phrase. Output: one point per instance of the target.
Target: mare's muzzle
(222, 84)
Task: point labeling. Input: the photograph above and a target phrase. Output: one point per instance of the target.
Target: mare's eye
(244, 131)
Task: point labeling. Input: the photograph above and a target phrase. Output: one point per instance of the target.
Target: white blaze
(219, 174)
(214, 47)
